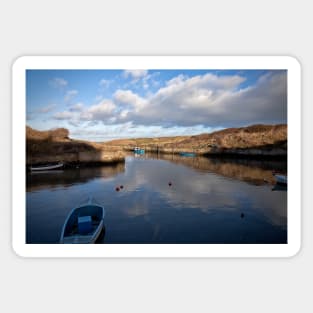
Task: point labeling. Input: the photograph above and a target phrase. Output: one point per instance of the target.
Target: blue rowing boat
(84, 224)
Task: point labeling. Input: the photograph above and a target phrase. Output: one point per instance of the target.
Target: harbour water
(165, 199)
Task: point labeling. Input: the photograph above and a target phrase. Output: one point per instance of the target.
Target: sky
(102, 105)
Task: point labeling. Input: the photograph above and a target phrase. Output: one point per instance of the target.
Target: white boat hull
(46, 168)
(281, 179)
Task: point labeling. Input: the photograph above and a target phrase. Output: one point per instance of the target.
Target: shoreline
(70, 163)
(252, 153)
(253, 142)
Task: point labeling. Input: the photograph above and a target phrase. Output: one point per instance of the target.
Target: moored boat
(281, 179)
(187, 154)
(84, 224)
(138, 150)
(46, 167)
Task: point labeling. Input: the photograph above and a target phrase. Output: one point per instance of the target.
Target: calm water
(209, 201)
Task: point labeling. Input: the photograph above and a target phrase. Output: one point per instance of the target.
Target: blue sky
(102, 105)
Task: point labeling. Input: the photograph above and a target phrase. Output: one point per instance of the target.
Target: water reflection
(258, 172)
(65, 178)
(205, 191)
(209, 201)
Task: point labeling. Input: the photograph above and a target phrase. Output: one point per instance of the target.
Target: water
(165, 199)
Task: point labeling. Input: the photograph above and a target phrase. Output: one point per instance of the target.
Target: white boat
(84, 224)
(281, 179)
(46, 167)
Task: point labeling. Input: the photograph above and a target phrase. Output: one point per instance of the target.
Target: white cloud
(129, 130)
(140, 79)
(65, 115)
(77, 113)
(77, 107)
(104, 83)
(106, 132)
(211, 100)
(58, 83)
(127, 97)
(135, 74)
(195, 104)
(99, 112)
(69, 95)
(47, 108)
(123, 114)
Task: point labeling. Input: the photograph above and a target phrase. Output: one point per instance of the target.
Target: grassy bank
(256, 140)
(55, 146)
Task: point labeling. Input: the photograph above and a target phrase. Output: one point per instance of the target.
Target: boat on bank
(84, 224)
(281, 179)
(47, 167)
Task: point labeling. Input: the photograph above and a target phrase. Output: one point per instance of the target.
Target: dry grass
(255, 136)
(55, 145)
(58, 134)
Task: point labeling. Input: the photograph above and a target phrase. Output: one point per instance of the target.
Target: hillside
(252, 140)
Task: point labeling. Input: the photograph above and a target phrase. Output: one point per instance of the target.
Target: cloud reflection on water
(205, 191)
(204, 202)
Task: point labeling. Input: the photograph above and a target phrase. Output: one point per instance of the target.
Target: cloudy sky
(102, 105)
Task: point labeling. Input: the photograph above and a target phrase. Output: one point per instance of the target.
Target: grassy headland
(56, 146)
